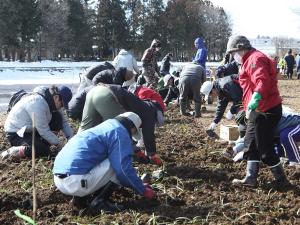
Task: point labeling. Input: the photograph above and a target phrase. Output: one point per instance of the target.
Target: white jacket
(22, 113)
(66, 128)
(125, 59)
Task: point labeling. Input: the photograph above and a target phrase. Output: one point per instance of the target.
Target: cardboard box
(229, 132)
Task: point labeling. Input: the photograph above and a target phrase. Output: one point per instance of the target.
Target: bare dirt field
(196, 187)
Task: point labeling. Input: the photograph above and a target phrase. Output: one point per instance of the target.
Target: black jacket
(146, 110)
(96, 69)
(290, 61)
(228, 90)
(110, 76)
(165, 65)
(76, 104)
(228, 69)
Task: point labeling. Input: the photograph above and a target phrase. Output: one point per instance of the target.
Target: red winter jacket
(147, 93)
(258, 74)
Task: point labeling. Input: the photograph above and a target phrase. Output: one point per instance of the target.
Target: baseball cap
(65, 94)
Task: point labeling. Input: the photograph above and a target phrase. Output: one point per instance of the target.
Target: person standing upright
(290, 63)
(201, 54)
(150, 67)
(262, 102)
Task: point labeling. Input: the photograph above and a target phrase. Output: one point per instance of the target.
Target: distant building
(276, 46)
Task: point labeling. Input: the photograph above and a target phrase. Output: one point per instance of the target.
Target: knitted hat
(65, 94)
(236, 43)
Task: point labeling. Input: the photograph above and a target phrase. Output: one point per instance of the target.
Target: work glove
(212, 126)
(140, 157)
(253, 104)
(229, 115)
(149, 194)
(154, 159)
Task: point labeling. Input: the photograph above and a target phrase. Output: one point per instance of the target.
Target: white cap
(206, 89)
(136, 120)
(167, 77)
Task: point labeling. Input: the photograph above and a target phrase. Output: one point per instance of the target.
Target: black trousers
(259, 138)
(42, 147)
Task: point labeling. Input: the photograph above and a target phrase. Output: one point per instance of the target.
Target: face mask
(238, 58)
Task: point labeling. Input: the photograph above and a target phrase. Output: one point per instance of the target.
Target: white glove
(212, 126)
(229, 115)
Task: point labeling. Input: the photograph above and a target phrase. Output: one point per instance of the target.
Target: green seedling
(24, 217)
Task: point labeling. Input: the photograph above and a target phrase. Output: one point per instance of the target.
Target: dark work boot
(279, 175)
(101, 202)
(197, 110)
(183, 108)
(251, 175)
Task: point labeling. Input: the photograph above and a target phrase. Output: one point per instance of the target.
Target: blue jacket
(201, 54)
(87, 149)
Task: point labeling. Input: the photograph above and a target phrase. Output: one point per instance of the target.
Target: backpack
(15, 98)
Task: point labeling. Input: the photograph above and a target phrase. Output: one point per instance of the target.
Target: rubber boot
(197, 110)
(14, 151)
(251, 175)
(279, 175)
(183, 108)
(101, 202)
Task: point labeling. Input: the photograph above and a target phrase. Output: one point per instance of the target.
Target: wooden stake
(33, 168)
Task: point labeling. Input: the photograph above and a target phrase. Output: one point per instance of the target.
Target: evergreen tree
(80, 32)
(135, 13)
(112, 28)
(19, 23)
(154, 23)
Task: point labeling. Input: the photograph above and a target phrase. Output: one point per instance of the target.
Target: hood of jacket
(124, 52)
(199, 43)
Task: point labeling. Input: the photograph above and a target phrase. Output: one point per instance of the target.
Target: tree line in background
(85, 29)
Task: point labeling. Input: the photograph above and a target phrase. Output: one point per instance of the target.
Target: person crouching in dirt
(112, 76)
(227, 69)
(18, 125)
(228, 90)
(87, 77)
(118, 100)
(171, 83)
(145, 93)
(150, 67)
(287, 134)
(76, 105)
(262, 103)
(191, 78)
(98, 160)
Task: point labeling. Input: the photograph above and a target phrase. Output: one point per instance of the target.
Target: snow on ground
(15, 76)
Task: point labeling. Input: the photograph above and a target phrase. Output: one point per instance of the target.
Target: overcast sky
(263, 17)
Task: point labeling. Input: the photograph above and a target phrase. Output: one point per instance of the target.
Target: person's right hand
(149, 194)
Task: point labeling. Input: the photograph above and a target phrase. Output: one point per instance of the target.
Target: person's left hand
(255, 99)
